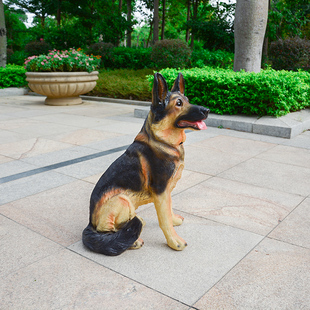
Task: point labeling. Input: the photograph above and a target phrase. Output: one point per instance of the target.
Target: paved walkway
(245, 198)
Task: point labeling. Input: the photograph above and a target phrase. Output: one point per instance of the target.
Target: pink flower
(42, 63)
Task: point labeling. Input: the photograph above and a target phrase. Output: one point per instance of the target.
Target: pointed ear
(160, 90)
(179, 84)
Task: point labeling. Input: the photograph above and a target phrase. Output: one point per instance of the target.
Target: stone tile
(287, 155)
(68, 281)
(31, 147)
(13, 167)
(198, 136)
(21, 247)
(189, 179)
(4, 159)
(107, 144)
(33, 128)
(301, 141)
(88, 168)
(10, 136)
(278, 176)
(93, 178)
(218, 154)
(120, 127)
(275, 275)
(27, 186)
(244, 148)
(83, 136)
(213, 249)
(57, 213)
(295, 228)
(60, 156)
(72, 120)
(248, 207)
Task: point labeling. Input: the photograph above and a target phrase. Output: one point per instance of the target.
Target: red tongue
(201, 125)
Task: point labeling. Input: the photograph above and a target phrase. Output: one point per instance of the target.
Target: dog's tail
(112, 243)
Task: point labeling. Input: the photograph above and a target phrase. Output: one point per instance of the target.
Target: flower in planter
(71, 60)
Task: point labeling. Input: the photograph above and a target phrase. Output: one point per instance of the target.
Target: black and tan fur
(147, 172)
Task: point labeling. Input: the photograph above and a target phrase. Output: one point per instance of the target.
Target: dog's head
(172, 108)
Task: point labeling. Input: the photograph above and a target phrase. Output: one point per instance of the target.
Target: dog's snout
(204, 111)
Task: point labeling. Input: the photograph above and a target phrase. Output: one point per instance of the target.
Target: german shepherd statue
(147, 172)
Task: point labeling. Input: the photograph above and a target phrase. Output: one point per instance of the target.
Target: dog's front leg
(164, 213)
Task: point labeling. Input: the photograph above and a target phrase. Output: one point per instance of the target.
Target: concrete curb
(13, 91)
(287, 126)
(122, 101)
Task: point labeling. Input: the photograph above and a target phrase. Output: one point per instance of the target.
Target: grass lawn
(123, 84)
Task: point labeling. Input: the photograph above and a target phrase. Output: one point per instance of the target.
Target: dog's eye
(179, 103)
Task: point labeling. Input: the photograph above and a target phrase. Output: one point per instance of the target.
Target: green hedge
(12, 76)
(215, 59)
(270, 92)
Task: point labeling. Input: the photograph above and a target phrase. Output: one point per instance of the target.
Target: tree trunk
(250, 27)
(128, 43)
(195, 13)
(163, 21)
(188, 18)
(120, 6)
(58, 16)
(2, 37)
(156, 22)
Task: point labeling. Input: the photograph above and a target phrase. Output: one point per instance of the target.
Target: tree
(129, 30)
(41, 9)
(2, 37)
(156, 22)
(250, 27)
(16, 30)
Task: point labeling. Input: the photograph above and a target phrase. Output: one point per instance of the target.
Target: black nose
(204, 111)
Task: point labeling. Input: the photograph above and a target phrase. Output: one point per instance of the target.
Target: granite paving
(244, 194)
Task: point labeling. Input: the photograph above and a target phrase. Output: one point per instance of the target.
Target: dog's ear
(179, 84)
(160, 90)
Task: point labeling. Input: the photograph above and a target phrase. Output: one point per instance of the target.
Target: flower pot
(62, 88)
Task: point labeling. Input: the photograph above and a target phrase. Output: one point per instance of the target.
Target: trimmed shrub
(37, 48)
(131, 58)
(12, 76)
(121, 57)
(290, 54)
(17, 58)
(123, 84)
(270, 92)
(170, 54)
(215, 59)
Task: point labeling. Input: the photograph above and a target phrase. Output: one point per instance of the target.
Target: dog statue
(147, 172)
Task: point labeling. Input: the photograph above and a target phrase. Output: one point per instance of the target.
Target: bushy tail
(112, 243)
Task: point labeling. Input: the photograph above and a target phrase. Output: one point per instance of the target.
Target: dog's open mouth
(198, 125)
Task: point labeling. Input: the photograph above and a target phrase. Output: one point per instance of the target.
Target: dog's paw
(177, 243)
(137, 245)
(177, 220)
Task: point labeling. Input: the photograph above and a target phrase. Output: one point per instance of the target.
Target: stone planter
(62, 88)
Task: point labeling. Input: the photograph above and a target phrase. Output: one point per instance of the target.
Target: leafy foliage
(287, 19)
(270, 92)
(290, 54)
(16, 58)
(12, 76)
(170, 54)
(37, 47)
(121, 57)
(215, 59)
